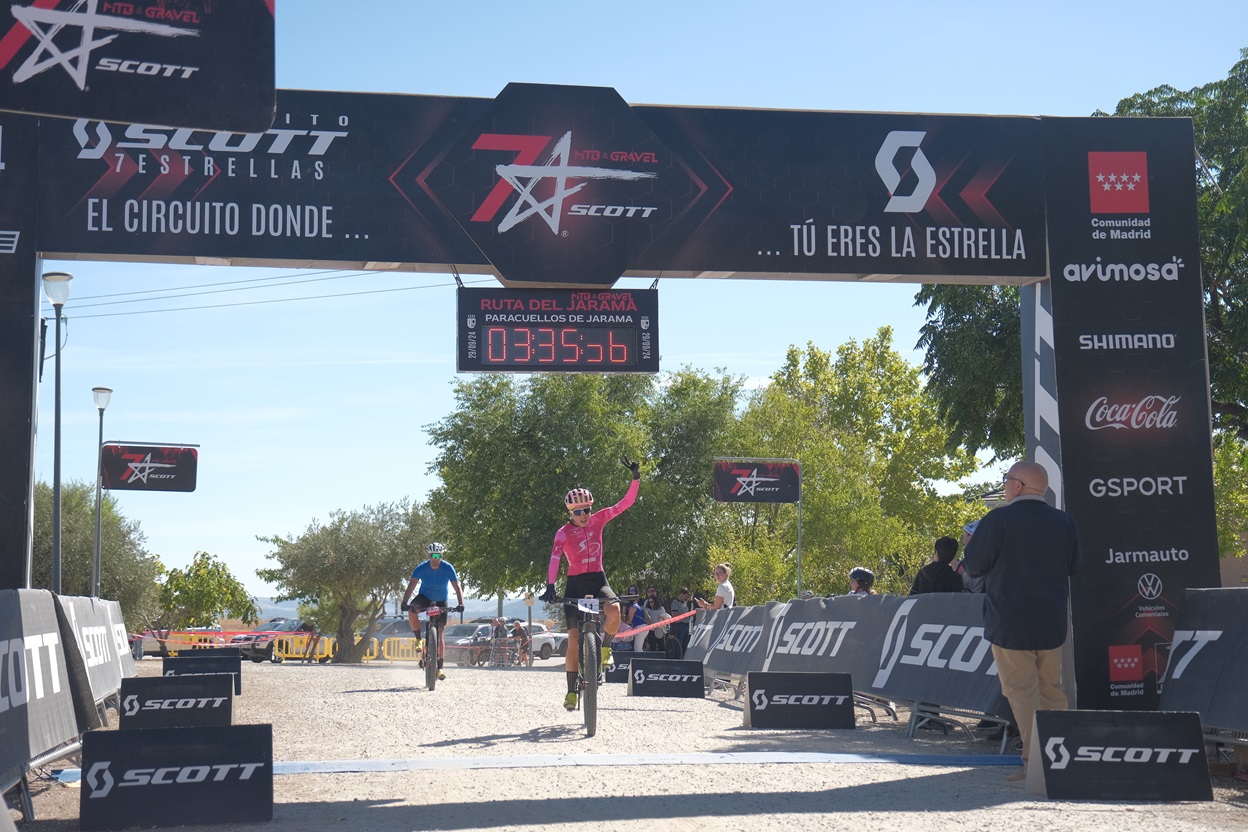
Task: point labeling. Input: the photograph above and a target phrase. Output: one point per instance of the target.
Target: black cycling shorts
(420, 603)
(592, 584)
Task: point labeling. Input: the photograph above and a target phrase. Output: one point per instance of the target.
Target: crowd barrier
(61, 658)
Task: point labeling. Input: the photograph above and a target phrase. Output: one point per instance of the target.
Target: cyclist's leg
(418, 605)
(441, 631)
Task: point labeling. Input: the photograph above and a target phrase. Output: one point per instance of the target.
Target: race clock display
(558, 330)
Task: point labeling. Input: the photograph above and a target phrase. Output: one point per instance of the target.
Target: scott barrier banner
(757, 481)
(734, 650)
(174, 701)
(1132, 392)
(205, 665)
(792, 701)
(706, 628)
(174, 776)
(37, 707)
(194, 63)
(1207, 667)
(96, 627)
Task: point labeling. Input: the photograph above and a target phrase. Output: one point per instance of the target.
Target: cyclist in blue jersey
(434, 576)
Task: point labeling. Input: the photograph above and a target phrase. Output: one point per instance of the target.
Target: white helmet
(435, 549)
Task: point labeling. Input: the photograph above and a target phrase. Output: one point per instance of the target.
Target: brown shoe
(1017, 777)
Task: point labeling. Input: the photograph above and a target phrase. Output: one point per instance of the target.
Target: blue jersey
(434, 582)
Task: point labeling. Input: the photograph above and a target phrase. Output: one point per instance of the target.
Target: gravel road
(492, 748)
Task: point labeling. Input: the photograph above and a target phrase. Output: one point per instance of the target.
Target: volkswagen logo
(1149, 586)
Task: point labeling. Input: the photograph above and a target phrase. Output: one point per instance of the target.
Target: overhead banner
(1133, 393)
(190, 63)
(556, 186)
(1207, 667)
(757, 481)
(148, 467)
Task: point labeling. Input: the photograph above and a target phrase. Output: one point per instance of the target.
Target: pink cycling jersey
(583, 546)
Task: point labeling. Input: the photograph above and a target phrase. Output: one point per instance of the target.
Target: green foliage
(1230, 486)
(350, 566)
(128, 573)
(202, 594)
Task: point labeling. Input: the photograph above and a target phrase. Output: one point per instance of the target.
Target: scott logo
(939, 646)
(132, 704)
(1060, 757)
(145, 137)
(100, 778)
(641, 677)
(761, 700)
(522, 176)
(886, 167)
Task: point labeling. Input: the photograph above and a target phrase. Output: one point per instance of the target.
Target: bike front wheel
(431, 656)
(591, 657)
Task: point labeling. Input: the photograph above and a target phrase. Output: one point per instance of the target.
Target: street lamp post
(56, 286)
(102, 396)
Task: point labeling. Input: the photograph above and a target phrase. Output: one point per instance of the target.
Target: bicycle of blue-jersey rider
(431, 652)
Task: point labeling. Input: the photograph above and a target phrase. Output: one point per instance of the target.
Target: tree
(128, 573)
(1230, 486)
(351, 564)
(201, 595)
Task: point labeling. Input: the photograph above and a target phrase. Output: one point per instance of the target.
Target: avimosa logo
(542, 188)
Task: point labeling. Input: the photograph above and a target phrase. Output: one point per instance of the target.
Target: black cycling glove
(635, 467)
(459, 608)
(548, 595)
(405, 607)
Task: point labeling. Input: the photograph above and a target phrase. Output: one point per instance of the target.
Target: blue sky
(304, 406)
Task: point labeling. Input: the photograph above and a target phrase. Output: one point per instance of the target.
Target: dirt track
(491, 748)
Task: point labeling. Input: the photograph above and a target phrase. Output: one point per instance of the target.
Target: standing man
(580, 540)
(680, 606)
(433, 575)
(1026, 550)
(938, 576)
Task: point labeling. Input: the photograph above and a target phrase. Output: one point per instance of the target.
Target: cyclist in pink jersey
(580, 540)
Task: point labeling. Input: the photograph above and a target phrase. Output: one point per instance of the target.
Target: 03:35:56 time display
(560, 346)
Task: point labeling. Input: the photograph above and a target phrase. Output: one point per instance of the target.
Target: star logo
(49, 25)
(1118, 182)
(747, 484)
(1126, 663)
(143, 468)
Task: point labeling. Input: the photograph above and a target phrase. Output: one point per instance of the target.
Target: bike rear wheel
(431, 655)
(591, 657)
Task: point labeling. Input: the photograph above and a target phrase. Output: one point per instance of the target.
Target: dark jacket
(1027, 551)
(936, 577)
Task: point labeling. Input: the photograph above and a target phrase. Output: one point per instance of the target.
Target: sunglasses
(579, 511)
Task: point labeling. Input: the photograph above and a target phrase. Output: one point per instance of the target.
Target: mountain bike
(432, 652)
(589, 664)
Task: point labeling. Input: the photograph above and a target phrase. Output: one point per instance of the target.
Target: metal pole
(99, 487)
(799, 539)
(56, 466)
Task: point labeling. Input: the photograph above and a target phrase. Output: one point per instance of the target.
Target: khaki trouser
(1031, 681)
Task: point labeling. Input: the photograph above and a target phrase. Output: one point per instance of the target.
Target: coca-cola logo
(1148, 412)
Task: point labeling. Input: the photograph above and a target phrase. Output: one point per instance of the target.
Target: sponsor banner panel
(1122, 755)
(1207, 660)
(165, 776)
(148, 467)
(1133, 397)
(195, 63)
(666, 677)
(757, 481)
(623, 658)
(98, 630)
(799, 700)
(736, 648)
(37, 708)
(925, 648)
(580, 190)
(176, 701)
(707, 627)
(19, 343)
(205, 666)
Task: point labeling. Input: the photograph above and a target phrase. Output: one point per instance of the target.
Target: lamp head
(102, 396)
(56, 286)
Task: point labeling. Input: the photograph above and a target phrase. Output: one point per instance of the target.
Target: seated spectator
(653, 613)
(520, 637)
(679, 606)
(938, 576)
(633, 617)
(808, 595)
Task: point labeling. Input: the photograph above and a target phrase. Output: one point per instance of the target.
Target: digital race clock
(558, 330)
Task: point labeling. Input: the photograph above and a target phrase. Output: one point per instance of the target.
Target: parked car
(175, 640)
(258, 644)
(545, 642)
(467, 644)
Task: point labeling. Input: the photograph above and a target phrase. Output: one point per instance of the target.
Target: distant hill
(473, 608)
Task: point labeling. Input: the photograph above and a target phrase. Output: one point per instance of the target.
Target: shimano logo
(1060, 758)
(1122, 272)
(886, 167)
(641, 677)
(1137, 341)
(133, 705)
(100, 780)
(938, 646)
(761, 700)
